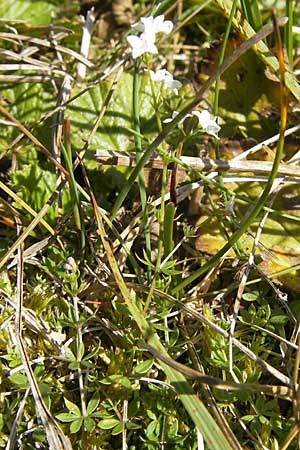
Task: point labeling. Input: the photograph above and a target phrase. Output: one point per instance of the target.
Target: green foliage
(35, 185)
(115, 129)
(36, 13)
(74, 416)
(87, 325)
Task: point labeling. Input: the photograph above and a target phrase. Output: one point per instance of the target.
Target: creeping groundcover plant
(149, 210)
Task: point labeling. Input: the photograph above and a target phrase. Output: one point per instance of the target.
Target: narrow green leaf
(89, 424)
(93, 403)
(76, 425)
(66, 417)
(118, 429)
(72, 407)
(143, 367)
(108, 424)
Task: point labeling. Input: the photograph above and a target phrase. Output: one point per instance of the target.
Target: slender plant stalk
(221, 60)
(252, 13)
(217, 85)
(138, 151)
(288, 31)
(67, 153)
(161, 218)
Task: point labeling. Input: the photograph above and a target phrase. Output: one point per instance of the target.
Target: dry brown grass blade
(15, 38)
(280, 391)
(30, 67)
(27, 79)
(33, 139)
(292, 434)
(109, 157)
(55, 436)
(30, 227)
(28, 208)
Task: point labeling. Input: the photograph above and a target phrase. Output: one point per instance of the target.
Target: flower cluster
(148, 27)
(208, 124)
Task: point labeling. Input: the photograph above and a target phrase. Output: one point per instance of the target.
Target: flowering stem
(138, 150)
(161, 217)
(221, 60)
(288, 32)
(158, 121)
(217, 86)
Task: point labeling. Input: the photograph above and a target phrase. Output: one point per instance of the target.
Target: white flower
(165, 77)
(209, 125)
(153, 25)
(142, 44)
(174, 114)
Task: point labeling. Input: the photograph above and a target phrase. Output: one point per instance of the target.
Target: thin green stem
(221, 60)
(138, 150)
(216, 99)
(160, 238)
(78, 216)
(252, 13)
(288, 31)
(156, 105)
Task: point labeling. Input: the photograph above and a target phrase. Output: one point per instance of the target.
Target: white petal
(138, 26)
(142, 44)
(167, 27)
(213, 128)
(172, 84)
(158, 23)
(203, 117)
(149, 46)
(174, 114)
(160, 75)
(148, 24)
(209, 125)
(165, 77)
(161, 25)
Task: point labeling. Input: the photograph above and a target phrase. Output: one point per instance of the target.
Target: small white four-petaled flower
(153, 25)
(208, 125)
(145, 43)
(149, 27)
(166, 78)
